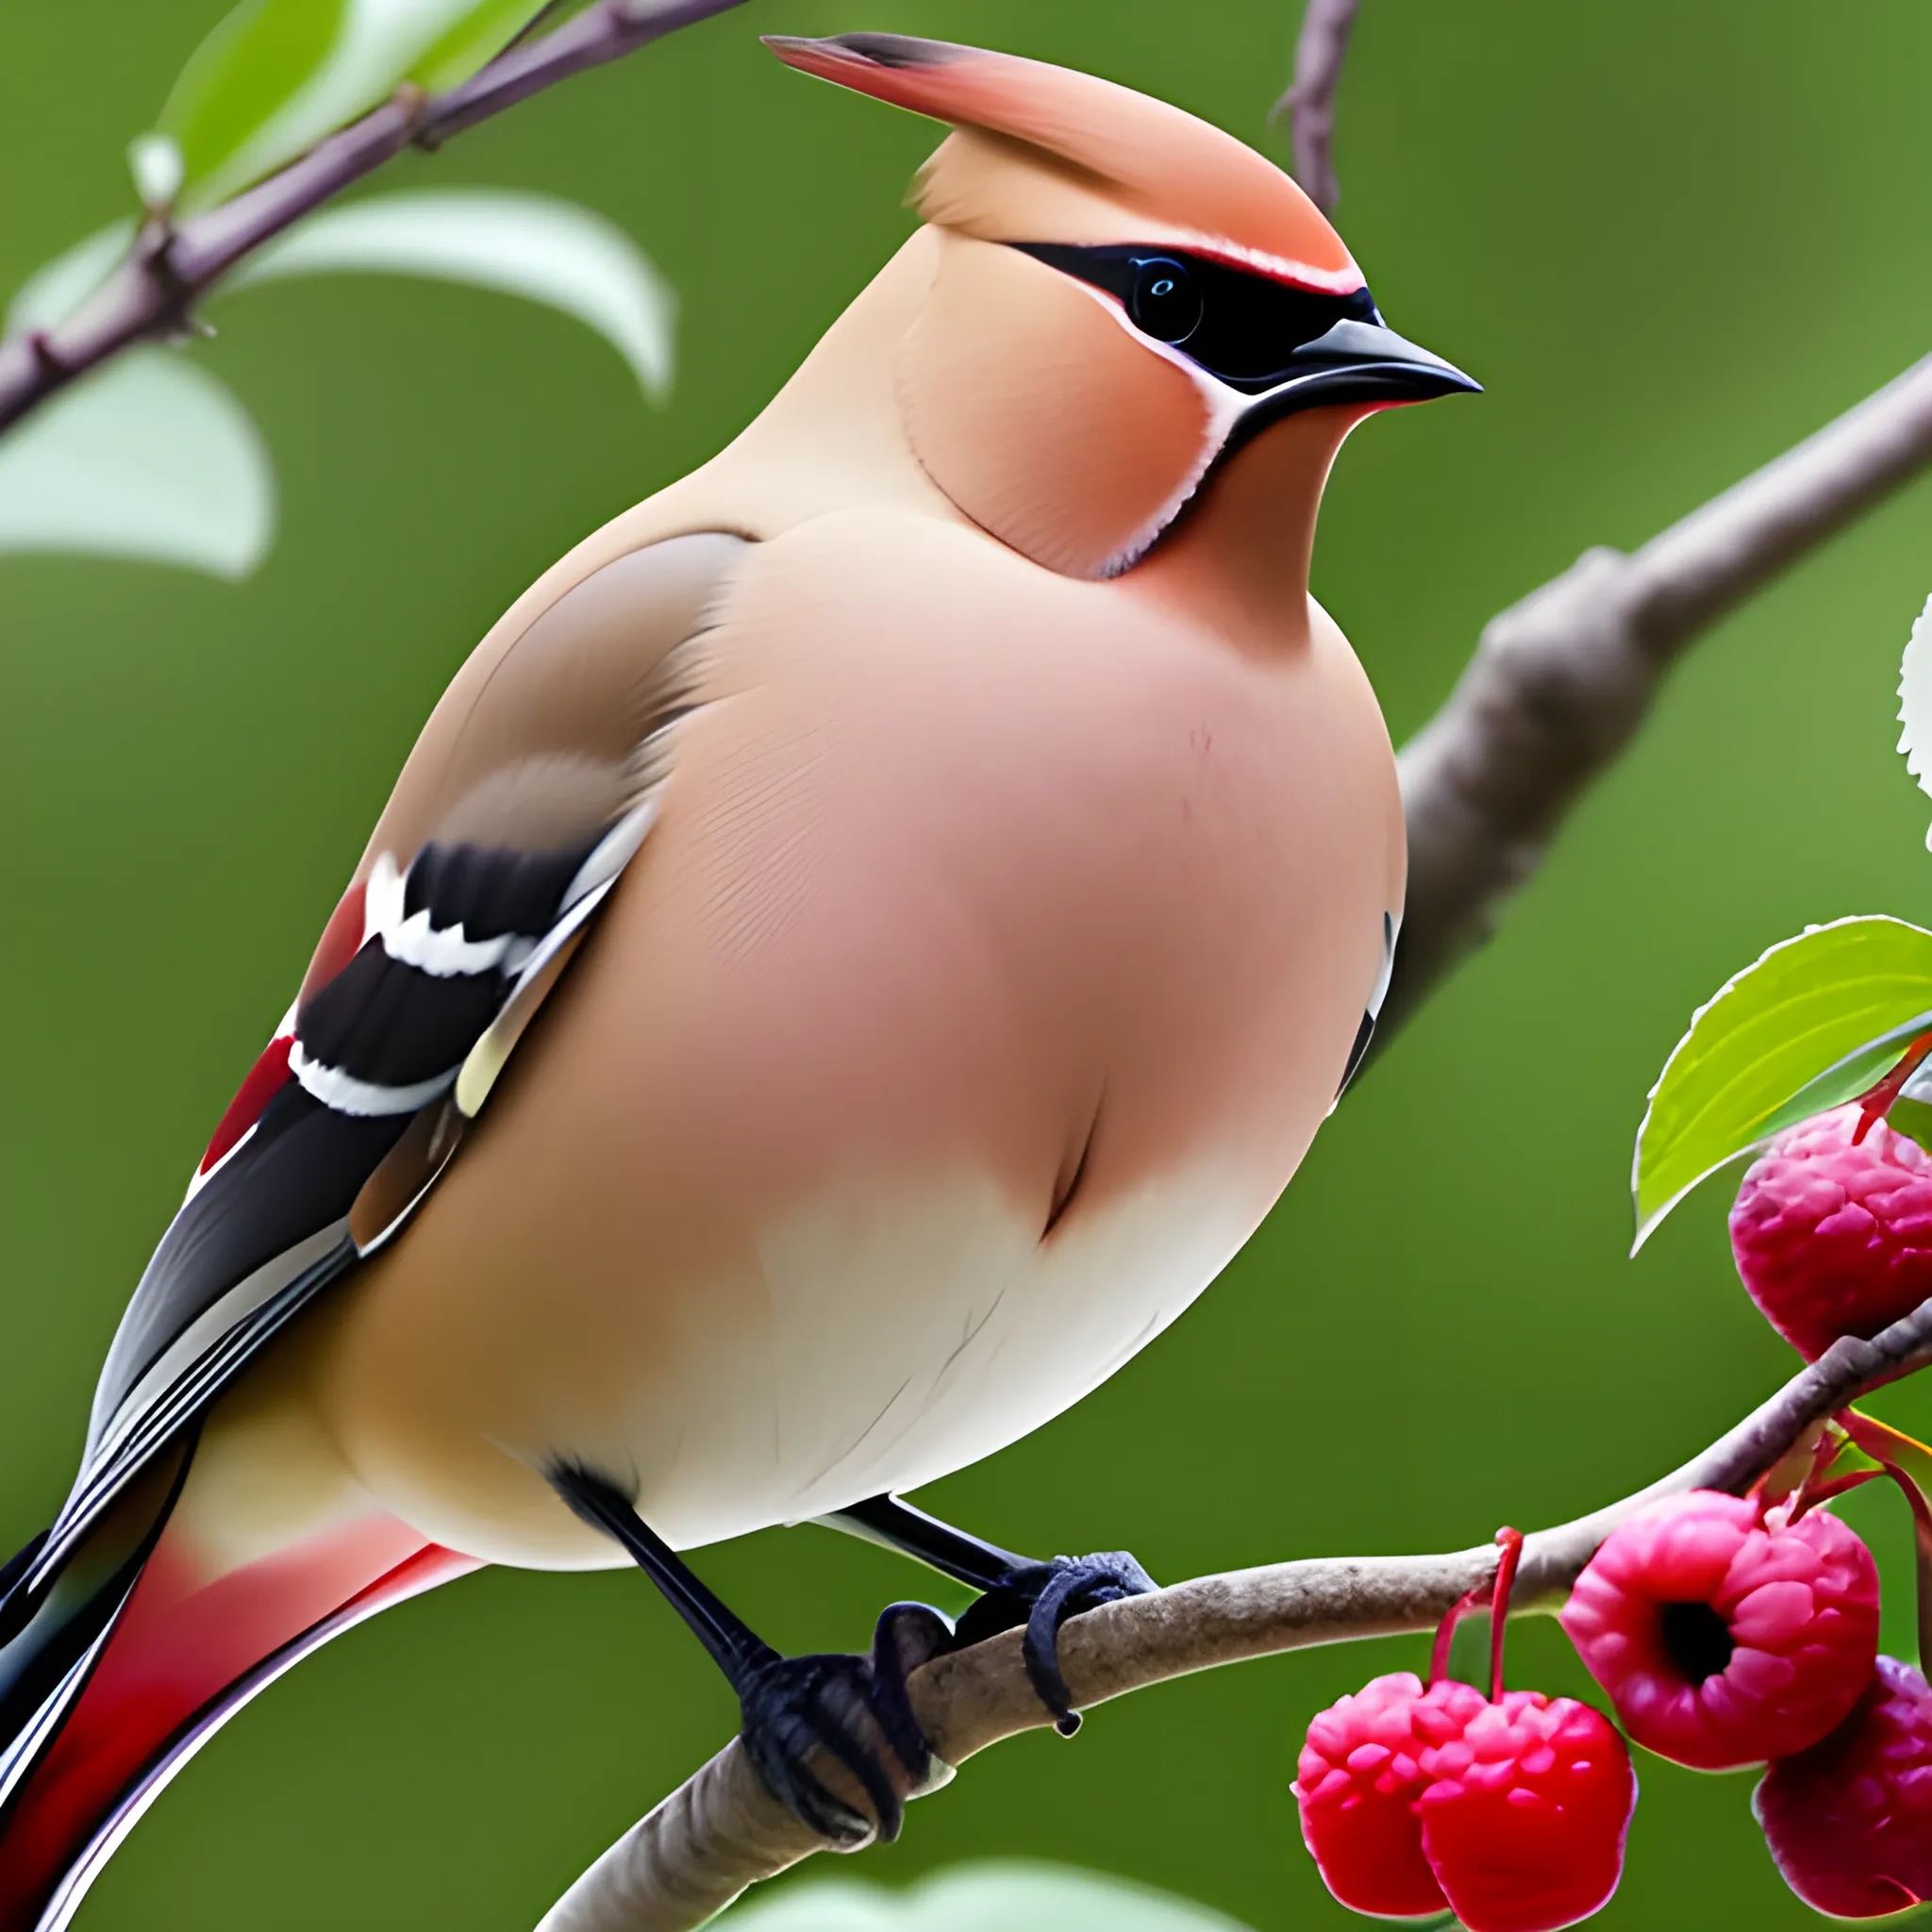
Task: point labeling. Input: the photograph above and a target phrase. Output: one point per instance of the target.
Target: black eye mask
(1242, 328)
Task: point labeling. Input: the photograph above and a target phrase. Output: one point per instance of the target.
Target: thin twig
(1562, 681)
(1320, 49)
(722, 1831)
(154, 293)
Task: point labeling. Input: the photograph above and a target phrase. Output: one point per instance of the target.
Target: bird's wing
(532, 786)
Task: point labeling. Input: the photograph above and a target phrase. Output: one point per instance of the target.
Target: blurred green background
(1672, 236)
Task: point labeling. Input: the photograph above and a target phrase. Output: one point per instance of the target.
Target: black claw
(856, 1709)
(1043, 1596)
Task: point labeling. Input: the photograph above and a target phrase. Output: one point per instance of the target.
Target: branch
(722, 1831)
(1560, 682)
(154, 293)
(1320, 49)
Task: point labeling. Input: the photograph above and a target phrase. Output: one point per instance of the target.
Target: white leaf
(155, 162)
(1915, 703)
(532, 245)
(149, 458)
(52, 294)
(1013, 1897)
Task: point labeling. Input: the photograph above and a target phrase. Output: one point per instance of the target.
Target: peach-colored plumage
(1021, 851)
(965, 852)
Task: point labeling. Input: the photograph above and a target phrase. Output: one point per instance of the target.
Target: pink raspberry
(1835, 1240)
(1357, 1783)
(1525, 1813)
(1724, 1640)
(1850, 1822)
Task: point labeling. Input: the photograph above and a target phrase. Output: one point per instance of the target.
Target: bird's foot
(838, 1711)
(1043, 1596)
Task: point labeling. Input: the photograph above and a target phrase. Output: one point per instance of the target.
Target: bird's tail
(118, 1667)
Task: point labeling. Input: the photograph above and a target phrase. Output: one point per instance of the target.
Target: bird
(859, 946)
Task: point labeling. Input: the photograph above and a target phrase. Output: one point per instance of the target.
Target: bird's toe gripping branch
(800, 1711)
(1043, 1596)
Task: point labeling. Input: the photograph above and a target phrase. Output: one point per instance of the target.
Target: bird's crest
(1043, 153)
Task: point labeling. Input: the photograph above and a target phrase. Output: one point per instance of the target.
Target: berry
(1850, 1821)
(1724, 1639)
(1831, 1238)
(1526, 1812)
(1357, 1783)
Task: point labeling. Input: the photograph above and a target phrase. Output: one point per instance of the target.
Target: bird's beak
(1356, 362)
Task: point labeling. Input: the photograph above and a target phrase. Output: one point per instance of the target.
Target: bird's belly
(911, 1330)
(886, 1333)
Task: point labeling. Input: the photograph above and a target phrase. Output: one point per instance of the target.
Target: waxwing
(859, 945)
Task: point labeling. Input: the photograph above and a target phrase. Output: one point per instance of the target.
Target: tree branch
(722, 1831)
(1560, 682)
(154, 293)
(1320, 49)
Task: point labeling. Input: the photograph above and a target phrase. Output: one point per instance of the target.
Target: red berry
(1357, 1783)
(1850, 1822)
(1723, 1639)
(1835, 1240)
(1525, 1813)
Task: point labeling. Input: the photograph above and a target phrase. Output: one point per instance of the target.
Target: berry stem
(1511, 1541)
(1472, 1599)
(1876, 1102)
(1921, 1527)
(1909, 1465)
(1814, 1494)
(1496, 1599)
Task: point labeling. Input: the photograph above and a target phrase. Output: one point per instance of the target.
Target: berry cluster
(1726, 1631)
(1510, 1810)
(1832, 1234)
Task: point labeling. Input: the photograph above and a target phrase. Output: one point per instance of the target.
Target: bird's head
(1125, 295)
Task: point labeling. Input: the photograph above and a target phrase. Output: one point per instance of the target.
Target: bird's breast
(993, 960)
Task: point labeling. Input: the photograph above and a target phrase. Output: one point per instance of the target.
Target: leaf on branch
(276, 75)
(54, 293)
(479, 33)
(150, 458)
(1816, 1021)
(532, 245)
(1015, 1897)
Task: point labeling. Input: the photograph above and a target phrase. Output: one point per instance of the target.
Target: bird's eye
(1165, 302)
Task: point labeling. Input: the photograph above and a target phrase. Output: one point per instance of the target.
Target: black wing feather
(268, 1228)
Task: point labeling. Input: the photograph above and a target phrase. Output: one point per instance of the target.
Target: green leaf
(257, 61)
(1814, 1022)
(548, 251)
(276, 75)
(472, 44)
(150, 458)
(1013, 1897)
